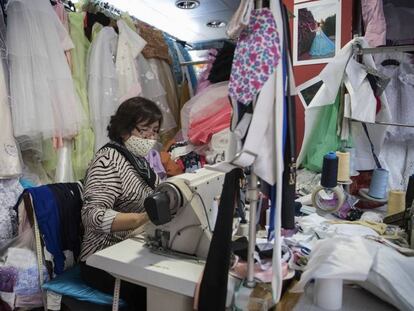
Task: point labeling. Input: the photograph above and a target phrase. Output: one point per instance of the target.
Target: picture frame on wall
(316, 31)
(308, 90)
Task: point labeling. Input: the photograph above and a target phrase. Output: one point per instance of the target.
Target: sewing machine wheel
(173, 194)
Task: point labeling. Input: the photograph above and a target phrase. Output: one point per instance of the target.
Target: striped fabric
(112, 186)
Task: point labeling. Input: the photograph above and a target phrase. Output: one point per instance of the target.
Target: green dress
(82, 152)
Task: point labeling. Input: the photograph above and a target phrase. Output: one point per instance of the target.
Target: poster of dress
(316, 31)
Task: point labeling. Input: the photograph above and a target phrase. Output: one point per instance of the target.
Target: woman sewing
(117, 182)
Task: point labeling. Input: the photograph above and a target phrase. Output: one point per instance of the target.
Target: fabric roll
(213, 287)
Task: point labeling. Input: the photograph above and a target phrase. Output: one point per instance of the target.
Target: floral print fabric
(256, 56)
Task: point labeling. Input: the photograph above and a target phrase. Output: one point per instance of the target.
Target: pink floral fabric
(256, 56)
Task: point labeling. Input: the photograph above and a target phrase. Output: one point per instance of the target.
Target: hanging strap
(377, 162)
(140, 164)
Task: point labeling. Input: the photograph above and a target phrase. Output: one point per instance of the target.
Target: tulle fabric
(10, 164)
(43, 99)
(201, 101)
(103, 83)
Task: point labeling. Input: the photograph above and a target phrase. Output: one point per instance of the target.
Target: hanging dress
(102, 83)
(43, 98)
(9, 155)
(82, 152)
(130, 45)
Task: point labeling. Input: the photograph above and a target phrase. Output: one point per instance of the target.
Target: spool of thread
(396, 202)
(327, 200)
(351, 151)
(343, 166)
(409, 196)
(379, 181)
(329, 170)
(328, 294)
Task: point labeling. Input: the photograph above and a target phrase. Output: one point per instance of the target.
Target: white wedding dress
(10, 164)
(103, 90)
(43, 98)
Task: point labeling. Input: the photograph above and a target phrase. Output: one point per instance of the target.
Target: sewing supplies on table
(352, 170)
(396, 202)
(328, 197)
(378, 187)
(343, 166)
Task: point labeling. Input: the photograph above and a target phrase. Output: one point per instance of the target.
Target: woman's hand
(128, 221)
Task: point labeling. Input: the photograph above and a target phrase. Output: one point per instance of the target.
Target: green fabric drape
(82, 152)
(324, 137)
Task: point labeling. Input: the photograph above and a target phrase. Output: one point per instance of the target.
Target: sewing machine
(183, 211)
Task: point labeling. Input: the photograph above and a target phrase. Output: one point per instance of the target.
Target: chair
(76, 295)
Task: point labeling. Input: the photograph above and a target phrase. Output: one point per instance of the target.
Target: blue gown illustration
(321, 44)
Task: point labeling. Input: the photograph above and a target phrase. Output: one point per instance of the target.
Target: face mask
(140, 146)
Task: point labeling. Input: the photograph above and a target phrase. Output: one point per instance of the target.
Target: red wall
(305, 72)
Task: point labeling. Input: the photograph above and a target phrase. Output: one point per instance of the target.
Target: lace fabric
(10, 190)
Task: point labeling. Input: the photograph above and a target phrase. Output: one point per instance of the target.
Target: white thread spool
(343, 166)
(351, 151)
(328, 294)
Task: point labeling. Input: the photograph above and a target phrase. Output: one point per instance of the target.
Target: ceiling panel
(232, 4)
(187, 25)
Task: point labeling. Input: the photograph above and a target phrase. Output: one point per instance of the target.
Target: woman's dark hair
(131, 112)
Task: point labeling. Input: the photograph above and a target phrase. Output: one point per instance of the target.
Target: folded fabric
(335, 258)
(28, 281)
(202, 129)
(8, 277)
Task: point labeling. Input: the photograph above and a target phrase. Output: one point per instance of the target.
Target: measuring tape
(117, 290)
(39, 254)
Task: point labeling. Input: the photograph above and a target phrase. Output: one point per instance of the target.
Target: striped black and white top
(112, 186)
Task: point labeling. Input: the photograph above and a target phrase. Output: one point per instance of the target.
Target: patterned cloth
(256, 56)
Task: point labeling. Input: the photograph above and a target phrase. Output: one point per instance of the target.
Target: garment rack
(111, 11)
(194, 62)
(386, 123)
(359, 51)
(383, 49)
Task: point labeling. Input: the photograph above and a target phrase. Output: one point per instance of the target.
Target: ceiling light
(216, 24)
(187, 4)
